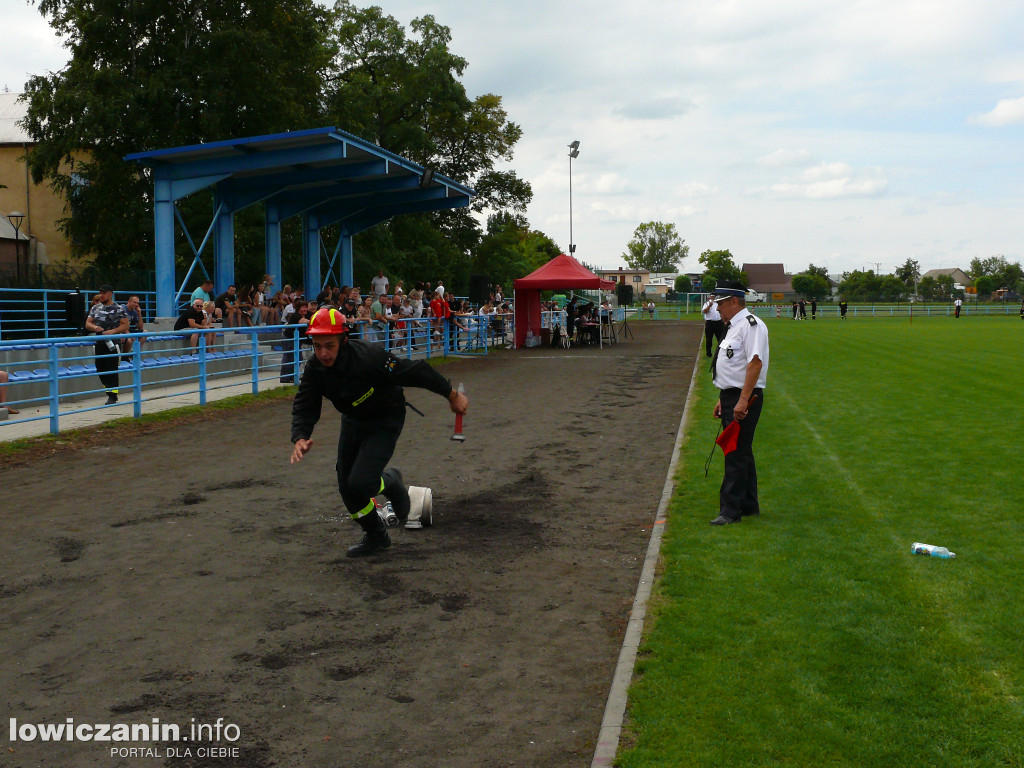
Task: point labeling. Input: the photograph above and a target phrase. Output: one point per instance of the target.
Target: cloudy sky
(844, 133)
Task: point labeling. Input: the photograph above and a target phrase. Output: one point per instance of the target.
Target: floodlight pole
(574, 151)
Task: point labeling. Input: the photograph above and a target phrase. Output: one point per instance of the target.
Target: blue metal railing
(59, 375)
(34, 313)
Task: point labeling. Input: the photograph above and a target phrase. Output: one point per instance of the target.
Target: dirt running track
(194, 575)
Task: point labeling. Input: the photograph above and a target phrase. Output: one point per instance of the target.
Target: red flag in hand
(730, 435)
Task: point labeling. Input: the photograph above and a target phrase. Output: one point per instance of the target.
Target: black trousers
(364, 450)
(107, 361)
(738, 495)
(713, 329)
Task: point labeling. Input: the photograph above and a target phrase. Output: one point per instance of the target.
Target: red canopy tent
(561, 272)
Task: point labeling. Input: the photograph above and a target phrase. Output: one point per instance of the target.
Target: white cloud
(782, 158)
(1006, 112)
(694, 189)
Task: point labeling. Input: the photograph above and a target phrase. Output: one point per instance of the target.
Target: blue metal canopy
(324, 175)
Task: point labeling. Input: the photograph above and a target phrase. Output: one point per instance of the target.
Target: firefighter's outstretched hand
(458, 402)
(301, 448)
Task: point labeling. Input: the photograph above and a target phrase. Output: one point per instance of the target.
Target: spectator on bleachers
(378, 284)
(416, 300)
(379, 319)
(205, 292)
(227, 304)
(105, 318)
(194, 317)
(3, 394)
(323, 298)
(245, 305)
(298, 323)
(404, 326)
(399, 290)
(440, 311)
(135, 325)
(267, 287)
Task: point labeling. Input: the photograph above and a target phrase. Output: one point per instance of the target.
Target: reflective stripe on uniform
(371, 507)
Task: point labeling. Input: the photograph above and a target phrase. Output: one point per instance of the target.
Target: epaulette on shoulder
(751, 319)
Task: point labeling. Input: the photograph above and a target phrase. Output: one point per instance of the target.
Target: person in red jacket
(440, 310)
(364, 383)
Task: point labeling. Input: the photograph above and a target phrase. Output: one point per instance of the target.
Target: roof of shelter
(11, 112)
(768, 277)
(325, 172)
(563, 271)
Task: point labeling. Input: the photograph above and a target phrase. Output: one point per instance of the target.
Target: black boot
(397, 494)
(375, 536)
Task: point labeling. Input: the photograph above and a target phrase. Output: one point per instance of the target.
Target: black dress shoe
(723, 520)
(370, 543)
(111, 398)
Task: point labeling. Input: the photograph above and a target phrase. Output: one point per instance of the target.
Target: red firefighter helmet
(327, 321)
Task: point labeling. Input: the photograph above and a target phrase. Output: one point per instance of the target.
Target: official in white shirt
(740, 371)
(714, 326)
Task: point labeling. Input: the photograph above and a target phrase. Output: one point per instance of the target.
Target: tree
(820, 271)
(718, 266)
(986, 284)
(812, 286)
(909, 272)
(509, 249)
(861, 286)
(993, 265)
(656, 246)
(928, 287)
(402, 91)
(683, 284)
(151, 75)
(892, 288)
(944, 290)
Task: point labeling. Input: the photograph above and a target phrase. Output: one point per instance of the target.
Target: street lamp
(574, 151)
(16, 218)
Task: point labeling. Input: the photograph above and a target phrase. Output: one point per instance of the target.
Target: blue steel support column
(310, 255)
(163, 238)
(272, 227)
(224, 248)
(346, 276)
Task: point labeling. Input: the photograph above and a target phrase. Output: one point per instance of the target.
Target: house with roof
(769, 279)
(958, 275)
(41, 241)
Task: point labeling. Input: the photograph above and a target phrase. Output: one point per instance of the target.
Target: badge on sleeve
(751, 319)
(728, 353)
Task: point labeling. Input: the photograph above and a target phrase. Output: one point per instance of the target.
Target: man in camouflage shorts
(105, 318)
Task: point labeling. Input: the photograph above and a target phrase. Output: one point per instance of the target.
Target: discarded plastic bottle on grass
(930, 549)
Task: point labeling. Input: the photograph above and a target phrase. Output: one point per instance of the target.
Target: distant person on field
(714, 326)
(803, 309)
(957, 304)
(842, 309)
(814, 308)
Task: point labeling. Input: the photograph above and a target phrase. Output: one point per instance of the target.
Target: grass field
(811, 636)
